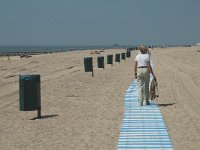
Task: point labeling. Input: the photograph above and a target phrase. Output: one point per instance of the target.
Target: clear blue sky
(99, 22)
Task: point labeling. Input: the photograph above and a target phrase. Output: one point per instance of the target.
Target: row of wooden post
(88, 61)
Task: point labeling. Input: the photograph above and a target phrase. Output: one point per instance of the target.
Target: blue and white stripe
(143, 127)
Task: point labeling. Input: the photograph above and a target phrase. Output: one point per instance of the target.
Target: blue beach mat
(143, 127)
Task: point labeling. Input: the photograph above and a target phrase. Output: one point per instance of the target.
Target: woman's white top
(142, 59)
(148, 52)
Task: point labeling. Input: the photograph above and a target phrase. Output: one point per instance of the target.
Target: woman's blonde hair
(142, 49)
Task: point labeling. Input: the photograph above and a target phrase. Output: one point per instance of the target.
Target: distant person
(152, 47)
(149, 52)
(142, 71)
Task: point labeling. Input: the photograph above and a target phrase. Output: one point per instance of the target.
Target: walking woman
(142, 74)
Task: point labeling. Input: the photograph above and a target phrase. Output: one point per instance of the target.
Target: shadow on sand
(45, 117)
(165, 105)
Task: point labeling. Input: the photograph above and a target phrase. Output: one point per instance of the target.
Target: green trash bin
(88, 64)
(128, 54)
(29, 92)
(117, 58)
(123, 55)
(110, 59)
(100, 62)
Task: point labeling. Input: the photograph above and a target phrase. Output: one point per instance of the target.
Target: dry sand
(178, 72)
(81, 112)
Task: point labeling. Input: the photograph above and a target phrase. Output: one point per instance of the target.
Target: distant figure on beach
(95, 52)
(142, 72)
(25, 55)
(152, 47)
(149, 52)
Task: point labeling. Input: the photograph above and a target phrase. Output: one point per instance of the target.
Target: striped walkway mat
(143, 127)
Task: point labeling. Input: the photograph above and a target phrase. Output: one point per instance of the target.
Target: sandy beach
(81, 112)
